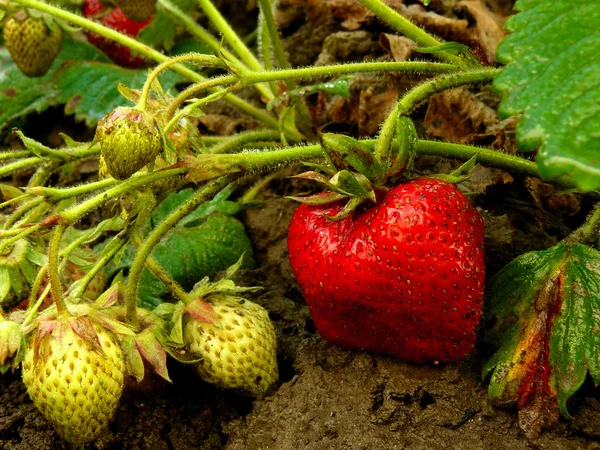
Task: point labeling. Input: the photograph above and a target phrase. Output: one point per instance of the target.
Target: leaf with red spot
(546, 311)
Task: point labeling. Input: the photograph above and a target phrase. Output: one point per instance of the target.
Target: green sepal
(545, 308)
(348, 153)
(347, 210)
(402, 159)
(134, 364)
(319, 199)
(459, 175)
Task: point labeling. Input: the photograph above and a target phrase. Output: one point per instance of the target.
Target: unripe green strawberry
(239, 349)
(137, 10)
(76, 383)
(129, 139)
(31, 43)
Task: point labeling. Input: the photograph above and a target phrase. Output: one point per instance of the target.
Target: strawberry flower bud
(129, 139)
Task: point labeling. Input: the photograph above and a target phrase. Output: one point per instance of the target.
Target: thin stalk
(207, 38)
(77, 212)
(98, 266)
(420, 93)
(17, 166)
(31, 310)
(57, 194)
(269, 21)
(53, 274)
(7, 242)
(160, 273)
(192, 106)
(14, 154)
(236, 43)
(21, 211)
(196, 89)
(205, 60)
(144, 50)
(202, 195)
(241, 139)
(588, 232)
(310, 73)
(408, 29)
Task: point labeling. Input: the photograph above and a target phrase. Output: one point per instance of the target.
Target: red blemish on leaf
(10, 92)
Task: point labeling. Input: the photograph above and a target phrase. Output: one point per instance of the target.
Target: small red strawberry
(116, 20)
(404, 277)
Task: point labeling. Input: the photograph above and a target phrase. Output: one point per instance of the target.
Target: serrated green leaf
(552, 78)
(546, 308)
(82, 78)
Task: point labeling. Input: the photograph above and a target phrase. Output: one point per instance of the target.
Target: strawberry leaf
(162, 31)
(81, 78)
(552, 78)
(546, 308)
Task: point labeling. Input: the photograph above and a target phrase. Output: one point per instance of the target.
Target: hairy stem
(588, 232)
(160, 273)
(241, 139)
(77, 212)
(310, 73)
(408, 29)
(420, 93)
(202, 195)
(53, 273)
(205, 60)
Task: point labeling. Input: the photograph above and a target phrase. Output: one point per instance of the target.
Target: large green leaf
(206, 242)
(553, 77)
(546, 309)
(81, 77)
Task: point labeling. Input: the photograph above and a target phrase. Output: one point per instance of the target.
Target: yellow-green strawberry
(237, 350)
(129, 139)
(73, 370)
(137, 10)
(33, 45)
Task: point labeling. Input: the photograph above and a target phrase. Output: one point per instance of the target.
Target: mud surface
(331, 398)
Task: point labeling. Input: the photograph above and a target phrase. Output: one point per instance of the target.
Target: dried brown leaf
(456, 115)
(373, 108)
(489, 26)
(400, 47)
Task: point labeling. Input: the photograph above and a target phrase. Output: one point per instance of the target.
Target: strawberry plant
(103, 279)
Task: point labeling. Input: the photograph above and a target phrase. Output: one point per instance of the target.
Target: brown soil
(332, 398)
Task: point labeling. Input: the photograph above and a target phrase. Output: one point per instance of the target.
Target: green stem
(408, 29)
(57, 194)
(588, 232)
(207, 38)
(144, 50)
(160, 273)
(189, 109)
(309, 73)
(53, 273)
(83, 283)
(241, 139)
(420, 93)
(205, 60)
(21, 211)
(269, 21)
(14, 154)
(202, 195)
(7, 242)
(77, 212)
(219, 22)
(196, 89)
(17, 166)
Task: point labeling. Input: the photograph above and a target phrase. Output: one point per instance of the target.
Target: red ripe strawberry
(404, 277)
(116, 20)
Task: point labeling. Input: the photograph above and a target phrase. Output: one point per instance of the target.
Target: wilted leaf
(546, 311)
(552, 79)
